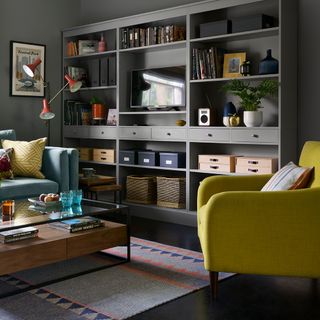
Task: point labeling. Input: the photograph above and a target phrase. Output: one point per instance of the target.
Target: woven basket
(141, 189)
(171, 192)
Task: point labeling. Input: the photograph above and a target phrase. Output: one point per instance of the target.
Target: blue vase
(268, 64)
(229, 109)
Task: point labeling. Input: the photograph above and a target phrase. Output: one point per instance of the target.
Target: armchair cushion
(26, 158)
(289, 177)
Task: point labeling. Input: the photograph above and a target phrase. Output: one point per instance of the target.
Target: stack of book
(207, 63)
(18, 234)
(79, 224)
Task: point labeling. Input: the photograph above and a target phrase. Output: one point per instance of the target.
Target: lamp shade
(46, 113)
(73, 84)
(30, 68)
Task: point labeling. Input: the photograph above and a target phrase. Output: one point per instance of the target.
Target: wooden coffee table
(53, 245)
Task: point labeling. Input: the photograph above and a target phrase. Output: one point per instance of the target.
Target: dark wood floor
(244, 297)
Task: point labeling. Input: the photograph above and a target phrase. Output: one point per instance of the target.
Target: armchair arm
(216, 184)
(55, 166)
(275, 233)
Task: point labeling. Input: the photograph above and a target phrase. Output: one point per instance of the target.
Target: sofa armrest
(216, 184)
(55, 166)
(73, 164)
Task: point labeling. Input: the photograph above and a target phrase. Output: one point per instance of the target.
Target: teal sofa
(60, 167)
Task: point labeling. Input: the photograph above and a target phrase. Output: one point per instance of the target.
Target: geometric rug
(155, 275)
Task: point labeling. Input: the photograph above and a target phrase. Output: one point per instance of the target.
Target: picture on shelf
(232, 63)
(112, 117)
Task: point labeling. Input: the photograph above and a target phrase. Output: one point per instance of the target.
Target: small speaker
(205, 117)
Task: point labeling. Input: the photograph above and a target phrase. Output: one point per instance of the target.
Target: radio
(205, 117)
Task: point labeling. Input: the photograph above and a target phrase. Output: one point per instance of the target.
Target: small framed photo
(232, 63)
(112, 117)
(21, 84)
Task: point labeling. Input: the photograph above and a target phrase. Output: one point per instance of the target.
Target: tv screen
(158, 87)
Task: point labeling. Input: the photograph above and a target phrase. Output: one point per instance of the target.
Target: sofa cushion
(5, 165)
(26, 158)
(22, 187)
(290, 177)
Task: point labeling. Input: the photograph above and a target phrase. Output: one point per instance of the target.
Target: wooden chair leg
(214, 284)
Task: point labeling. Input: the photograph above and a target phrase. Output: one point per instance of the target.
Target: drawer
(213, 134)
(135, 132)
(216, 167)
(169, 134)
(102, 132)
(104, 155)
(253, 169)
(255, 135)
(76, 131)
(85, 154)
(258, 162)
(217, 159)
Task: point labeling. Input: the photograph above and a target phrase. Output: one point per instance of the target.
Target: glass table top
(26, 214)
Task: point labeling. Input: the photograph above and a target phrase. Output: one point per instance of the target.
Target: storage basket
(141, 189)
(171, 192)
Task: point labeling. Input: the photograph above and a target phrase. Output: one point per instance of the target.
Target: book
(77, 224)
(18, 234)
(18, 238)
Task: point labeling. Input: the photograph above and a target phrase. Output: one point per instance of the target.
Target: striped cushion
(26, 159)
(289, 177)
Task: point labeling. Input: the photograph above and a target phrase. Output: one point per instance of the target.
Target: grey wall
(35, 21)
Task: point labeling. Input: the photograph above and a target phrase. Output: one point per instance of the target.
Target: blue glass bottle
(268, 64)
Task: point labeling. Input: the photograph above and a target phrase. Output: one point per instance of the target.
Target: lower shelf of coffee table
(53, 245)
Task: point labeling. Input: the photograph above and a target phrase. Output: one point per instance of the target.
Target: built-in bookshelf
(169, 38)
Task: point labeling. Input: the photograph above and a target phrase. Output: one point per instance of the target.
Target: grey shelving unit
(156, 130)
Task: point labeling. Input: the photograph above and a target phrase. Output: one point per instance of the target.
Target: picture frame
(112, 117)
(232, 63)
(21, 84)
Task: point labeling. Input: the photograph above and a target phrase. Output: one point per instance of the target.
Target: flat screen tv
(159, 88)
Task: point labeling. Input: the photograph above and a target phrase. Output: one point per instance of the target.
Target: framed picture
(112, 117)
(232, 63)
(21, 84)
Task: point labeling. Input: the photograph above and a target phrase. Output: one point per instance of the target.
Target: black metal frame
(121, 260)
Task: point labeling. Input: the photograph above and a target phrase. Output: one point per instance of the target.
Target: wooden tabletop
(96, 180)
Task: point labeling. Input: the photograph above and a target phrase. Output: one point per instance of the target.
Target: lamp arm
(58, 92)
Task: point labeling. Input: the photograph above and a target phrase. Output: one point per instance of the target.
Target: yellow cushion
(26, 158)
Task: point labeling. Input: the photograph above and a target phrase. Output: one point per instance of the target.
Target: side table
(91, 186)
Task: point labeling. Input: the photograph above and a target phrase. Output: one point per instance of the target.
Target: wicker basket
(171, 192)
(141, 189)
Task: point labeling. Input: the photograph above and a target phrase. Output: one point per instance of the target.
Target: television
(159, 88)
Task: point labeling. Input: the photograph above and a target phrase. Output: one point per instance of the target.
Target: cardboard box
(257, 165)
(85, 154)
(104, 155)
(217, 162)
(215, 28)
(254, 22)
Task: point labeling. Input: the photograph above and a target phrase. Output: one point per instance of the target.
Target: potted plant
(250, 98)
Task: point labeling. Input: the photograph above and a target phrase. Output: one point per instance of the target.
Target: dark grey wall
(35, 21)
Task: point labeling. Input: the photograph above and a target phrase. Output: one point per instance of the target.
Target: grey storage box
(128, 156)
(215, 28)
(173, 159)
(255, 22)
(148, 158)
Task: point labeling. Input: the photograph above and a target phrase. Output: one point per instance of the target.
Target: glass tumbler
(66, 198)
(77, 197)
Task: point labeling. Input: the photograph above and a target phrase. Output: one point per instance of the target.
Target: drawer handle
(255, 135)
(209, 134)
(168, 134)
(253, 162)
(134, 133)
(103, 152)
(253, 170)
(214, 160)
(214, 167)
(103, 158)
(102, 132)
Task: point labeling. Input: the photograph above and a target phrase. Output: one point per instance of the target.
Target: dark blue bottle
(268, 64)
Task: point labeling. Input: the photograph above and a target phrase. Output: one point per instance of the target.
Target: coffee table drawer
(88, 241)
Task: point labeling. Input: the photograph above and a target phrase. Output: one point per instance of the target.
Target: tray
(39, 203)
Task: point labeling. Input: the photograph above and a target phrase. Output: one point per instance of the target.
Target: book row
(140, 37)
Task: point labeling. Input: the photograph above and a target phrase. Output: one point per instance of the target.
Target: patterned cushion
(5, 165)
(289, 177)
(26, 158)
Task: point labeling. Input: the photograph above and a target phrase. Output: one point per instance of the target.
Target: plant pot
(252, 118)
(99, 111)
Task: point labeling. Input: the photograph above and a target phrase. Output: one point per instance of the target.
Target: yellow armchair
(243, 230)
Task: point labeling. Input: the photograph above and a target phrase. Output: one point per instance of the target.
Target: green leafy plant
(250, 96)
(95, 100)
